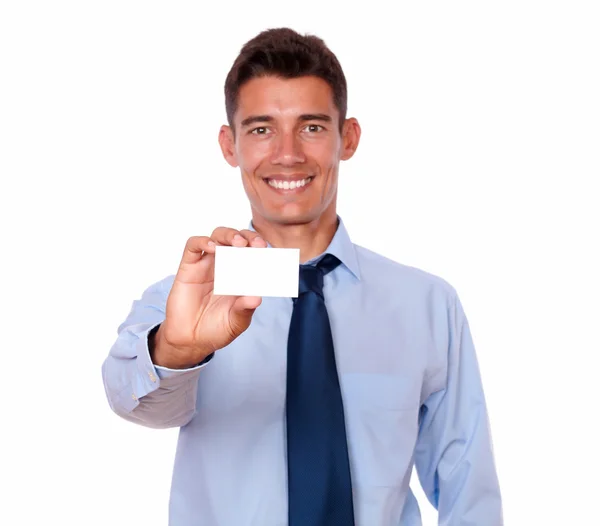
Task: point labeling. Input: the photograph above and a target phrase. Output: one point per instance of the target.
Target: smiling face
(288, 146)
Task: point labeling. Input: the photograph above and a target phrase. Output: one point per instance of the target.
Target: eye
(313, 128)
(261, 130)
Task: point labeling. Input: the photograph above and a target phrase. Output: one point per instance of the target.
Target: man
(309, 411)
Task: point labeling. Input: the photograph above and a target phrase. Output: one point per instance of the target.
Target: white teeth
(289, 185)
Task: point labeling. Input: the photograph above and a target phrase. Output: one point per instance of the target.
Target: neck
(312, 238)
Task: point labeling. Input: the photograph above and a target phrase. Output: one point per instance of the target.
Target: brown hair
(287, 54)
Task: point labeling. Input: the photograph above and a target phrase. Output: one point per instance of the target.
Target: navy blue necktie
(319, 484)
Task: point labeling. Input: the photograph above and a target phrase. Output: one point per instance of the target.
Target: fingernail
(237, 237)
(211, 243)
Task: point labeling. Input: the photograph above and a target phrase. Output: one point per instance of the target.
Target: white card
(250, 271)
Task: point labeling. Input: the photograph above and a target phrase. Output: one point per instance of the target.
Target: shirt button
(133, 397)
(152, 377)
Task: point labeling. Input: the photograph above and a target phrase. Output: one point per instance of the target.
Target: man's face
(288, 146)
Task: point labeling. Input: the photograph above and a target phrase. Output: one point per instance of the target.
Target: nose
(287, 150)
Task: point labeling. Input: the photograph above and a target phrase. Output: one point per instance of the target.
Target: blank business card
(250, 271)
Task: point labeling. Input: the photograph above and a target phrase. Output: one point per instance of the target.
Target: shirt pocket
(381, 413)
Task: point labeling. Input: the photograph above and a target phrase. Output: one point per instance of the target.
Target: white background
(479, 162)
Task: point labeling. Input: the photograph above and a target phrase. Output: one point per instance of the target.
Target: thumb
(242, 311)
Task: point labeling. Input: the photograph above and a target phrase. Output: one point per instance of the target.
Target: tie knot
(311, 276)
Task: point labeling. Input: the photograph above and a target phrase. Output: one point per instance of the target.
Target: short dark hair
(284, 53)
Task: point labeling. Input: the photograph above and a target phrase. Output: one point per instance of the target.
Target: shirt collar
(341, 247)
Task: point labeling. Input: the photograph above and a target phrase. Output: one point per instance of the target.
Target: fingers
(254, 239)
(237, 238)
(196, 247)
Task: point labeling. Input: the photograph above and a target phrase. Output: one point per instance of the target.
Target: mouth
(287, 186)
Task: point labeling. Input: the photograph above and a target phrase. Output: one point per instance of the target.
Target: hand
(197, 323)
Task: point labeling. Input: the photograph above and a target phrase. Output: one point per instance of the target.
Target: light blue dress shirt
(409, 379)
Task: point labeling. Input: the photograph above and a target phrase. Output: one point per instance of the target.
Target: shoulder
(379, 270)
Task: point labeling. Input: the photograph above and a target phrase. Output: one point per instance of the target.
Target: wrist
(161, 353)
(166, 355)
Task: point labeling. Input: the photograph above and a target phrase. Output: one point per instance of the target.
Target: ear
(227, 143)
(350, 138)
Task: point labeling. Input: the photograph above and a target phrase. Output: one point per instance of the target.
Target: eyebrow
(323, 117)
(253, 119)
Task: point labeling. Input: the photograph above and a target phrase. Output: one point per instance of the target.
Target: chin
(292, 217)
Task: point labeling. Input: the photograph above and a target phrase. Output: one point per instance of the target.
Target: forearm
(143, 393)
(136, 388)
(458, 472)
(454, 454)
